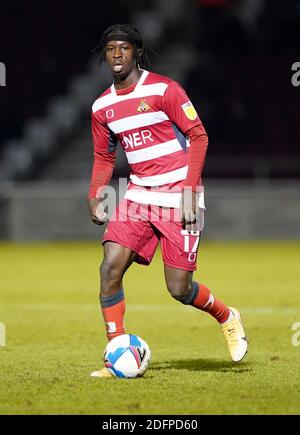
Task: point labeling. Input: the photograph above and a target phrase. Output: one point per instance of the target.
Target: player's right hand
(97, 212)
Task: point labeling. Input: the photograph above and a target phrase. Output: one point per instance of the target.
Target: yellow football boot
(103, 373)
(235, 335)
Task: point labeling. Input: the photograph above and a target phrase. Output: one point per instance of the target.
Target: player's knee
(179, 291)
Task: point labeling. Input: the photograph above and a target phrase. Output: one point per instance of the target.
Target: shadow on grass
(203, 365)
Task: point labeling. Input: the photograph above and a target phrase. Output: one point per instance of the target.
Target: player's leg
(117, 259)
(125, 240)
(182, 287)
(179, 251)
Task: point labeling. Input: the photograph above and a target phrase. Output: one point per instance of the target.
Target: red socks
(205, 301)
(113, 310)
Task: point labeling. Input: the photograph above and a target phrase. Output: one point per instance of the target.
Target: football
(127, 356)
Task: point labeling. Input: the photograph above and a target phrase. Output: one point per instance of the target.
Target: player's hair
(130, 34)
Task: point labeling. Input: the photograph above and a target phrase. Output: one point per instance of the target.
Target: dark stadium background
(239, 61)
(233, 57)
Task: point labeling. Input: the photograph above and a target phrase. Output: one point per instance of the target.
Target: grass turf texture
(55, 336)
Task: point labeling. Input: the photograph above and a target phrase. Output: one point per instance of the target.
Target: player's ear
(138, 55)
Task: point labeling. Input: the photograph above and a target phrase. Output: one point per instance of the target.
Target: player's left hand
(190, 214)
(97, 212)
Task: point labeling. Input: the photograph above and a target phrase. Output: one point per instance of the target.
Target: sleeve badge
(189, 111)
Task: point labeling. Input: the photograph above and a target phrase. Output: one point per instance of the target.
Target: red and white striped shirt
(150, 120)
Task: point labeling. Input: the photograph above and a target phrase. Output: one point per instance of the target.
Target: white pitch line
(145, 308)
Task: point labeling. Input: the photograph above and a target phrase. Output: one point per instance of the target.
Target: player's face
(119, 56)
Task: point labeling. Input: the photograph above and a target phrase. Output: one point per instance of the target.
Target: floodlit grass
(55, 335)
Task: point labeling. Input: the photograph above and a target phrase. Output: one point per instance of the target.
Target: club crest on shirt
(189, 111)
(143, 106)
(110, 113)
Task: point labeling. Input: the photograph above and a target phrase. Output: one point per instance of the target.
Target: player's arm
(104, 161)
(181, 111)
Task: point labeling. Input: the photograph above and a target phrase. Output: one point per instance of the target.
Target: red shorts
(141, 227)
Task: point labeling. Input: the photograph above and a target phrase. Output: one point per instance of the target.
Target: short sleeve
(179, 108)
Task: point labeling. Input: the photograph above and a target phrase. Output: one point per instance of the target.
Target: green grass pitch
(55, 335)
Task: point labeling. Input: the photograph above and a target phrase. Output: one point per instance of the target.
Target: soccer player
(165, 143)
